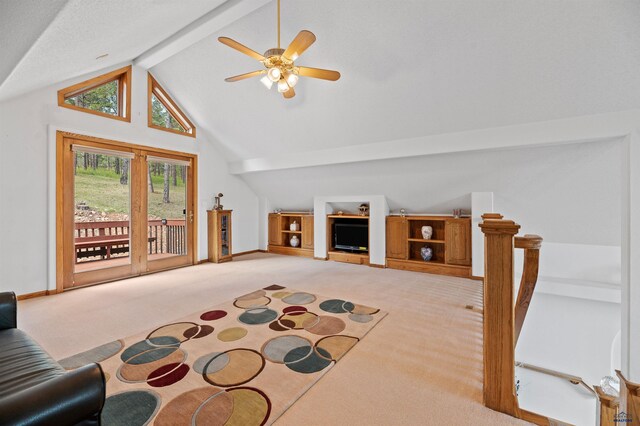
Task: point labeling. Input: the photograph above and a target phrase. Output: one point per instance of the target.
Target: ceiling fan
(279, 63)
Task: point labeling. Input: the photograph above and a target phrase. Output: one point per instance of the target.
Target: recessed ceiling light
(102, 56)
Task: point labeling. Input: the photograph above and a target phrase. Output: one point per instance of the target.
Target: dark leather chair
(36, 390)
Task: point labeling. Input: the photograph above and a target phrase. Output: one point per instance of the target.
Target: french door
(122, 210)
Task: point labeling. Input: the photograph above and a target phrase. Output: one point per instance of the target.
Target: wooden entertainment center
(450, 242)
(342, 255)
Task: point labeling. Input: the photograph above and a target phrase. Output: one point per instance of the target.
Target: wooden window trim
(154, 88)
(122, 75)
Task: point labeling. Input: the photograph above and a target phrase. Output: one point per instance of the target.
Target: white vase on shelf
(295, 226)
(294, 241)
(427, 232)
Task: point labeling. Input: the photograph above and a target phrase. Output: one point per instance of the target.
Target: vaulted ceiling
(412, 68)
(409, 68)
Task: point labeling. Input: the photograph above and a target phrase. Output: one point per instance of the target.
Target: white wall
(27, 167)
(567, 194)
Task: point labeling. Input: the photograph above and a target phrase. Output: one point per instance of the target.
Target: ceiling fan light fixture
(278, 63)
(292, 79)
(274, 74)
(267, 82)
(283, 86)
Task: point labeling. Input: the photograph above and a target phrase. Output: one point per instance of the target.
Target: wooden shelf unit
(280, 234)
(450, 242)
(219, 241)
(341, 255)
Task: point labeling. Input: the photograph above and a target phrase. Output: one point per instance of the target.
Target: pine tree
(165, 192)
(124, 177)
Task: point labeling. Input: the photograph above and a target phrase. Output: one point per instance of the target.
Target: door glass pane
(102, 203)
(167, 214)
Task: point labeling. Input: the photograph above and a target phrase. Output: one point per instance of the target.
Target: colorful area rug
(243, 363)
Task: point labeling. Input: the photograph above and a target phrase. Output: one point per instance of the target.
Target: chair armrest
(65, 400)
(8, 310)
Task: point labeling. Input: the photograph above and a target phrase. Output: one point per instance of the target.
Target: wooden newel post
(629, 401)
(499, 359)
(607, 408)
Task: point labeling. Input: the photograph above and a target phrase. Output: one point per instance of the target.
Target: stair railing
(502, 319)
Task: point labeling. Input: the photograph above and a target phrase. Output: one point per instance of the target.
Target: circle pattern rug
(243, 362)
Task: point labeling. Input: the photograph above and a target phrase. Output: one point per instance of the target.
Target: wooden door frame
(64, 271)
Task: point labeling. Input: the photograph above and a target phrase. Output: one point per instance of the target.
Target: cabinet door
(397, 230)
(307, 232)
(458, 242)
(225, 234)
(275, 236)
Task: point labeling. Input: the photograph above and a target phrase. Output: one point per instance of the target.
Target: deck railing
(95, 241)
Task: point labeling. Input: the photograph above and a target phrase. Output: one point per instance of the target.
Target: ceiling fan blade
(241, 48)
(318, 73)
(243, 76)
(289, 93)
(303, 40)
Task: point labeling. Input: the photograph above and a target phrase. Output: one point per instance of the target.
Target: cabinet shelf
(425, 262)
(347, 216)
(284, 231)
(421, 240)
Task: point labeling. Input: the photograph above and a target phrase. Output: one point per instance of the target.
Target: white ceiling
(47, 41)
(412, 68)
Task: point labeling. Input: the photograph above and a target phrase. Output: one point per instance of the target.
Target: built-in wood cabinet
(450, 243)
(219, 238)
(338, 255)
(281, 233)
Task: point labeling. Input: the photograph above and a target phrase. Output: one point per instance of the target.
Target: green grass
(101, 190)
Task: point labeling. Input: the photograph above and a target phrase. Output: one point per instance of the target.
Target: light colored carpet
(421, 365)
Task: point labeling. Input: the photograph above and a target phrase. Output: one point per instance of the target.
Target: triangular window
(108, 95)
(164, 113)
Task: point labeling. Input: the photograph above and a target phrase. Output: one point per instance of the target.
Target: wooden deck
(115, 261)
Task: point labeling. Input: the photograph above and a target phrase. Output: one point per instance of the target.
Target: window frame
(121, 75)
(155, 89)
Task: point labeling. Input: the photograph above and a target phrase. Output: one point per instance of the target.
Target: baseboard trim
(375, 265)
(320, 258)
(473, 277)
(242, 253)
(35, 294)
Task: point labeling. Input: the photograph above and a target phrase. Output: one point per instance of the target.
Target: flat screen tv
(347, 236)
